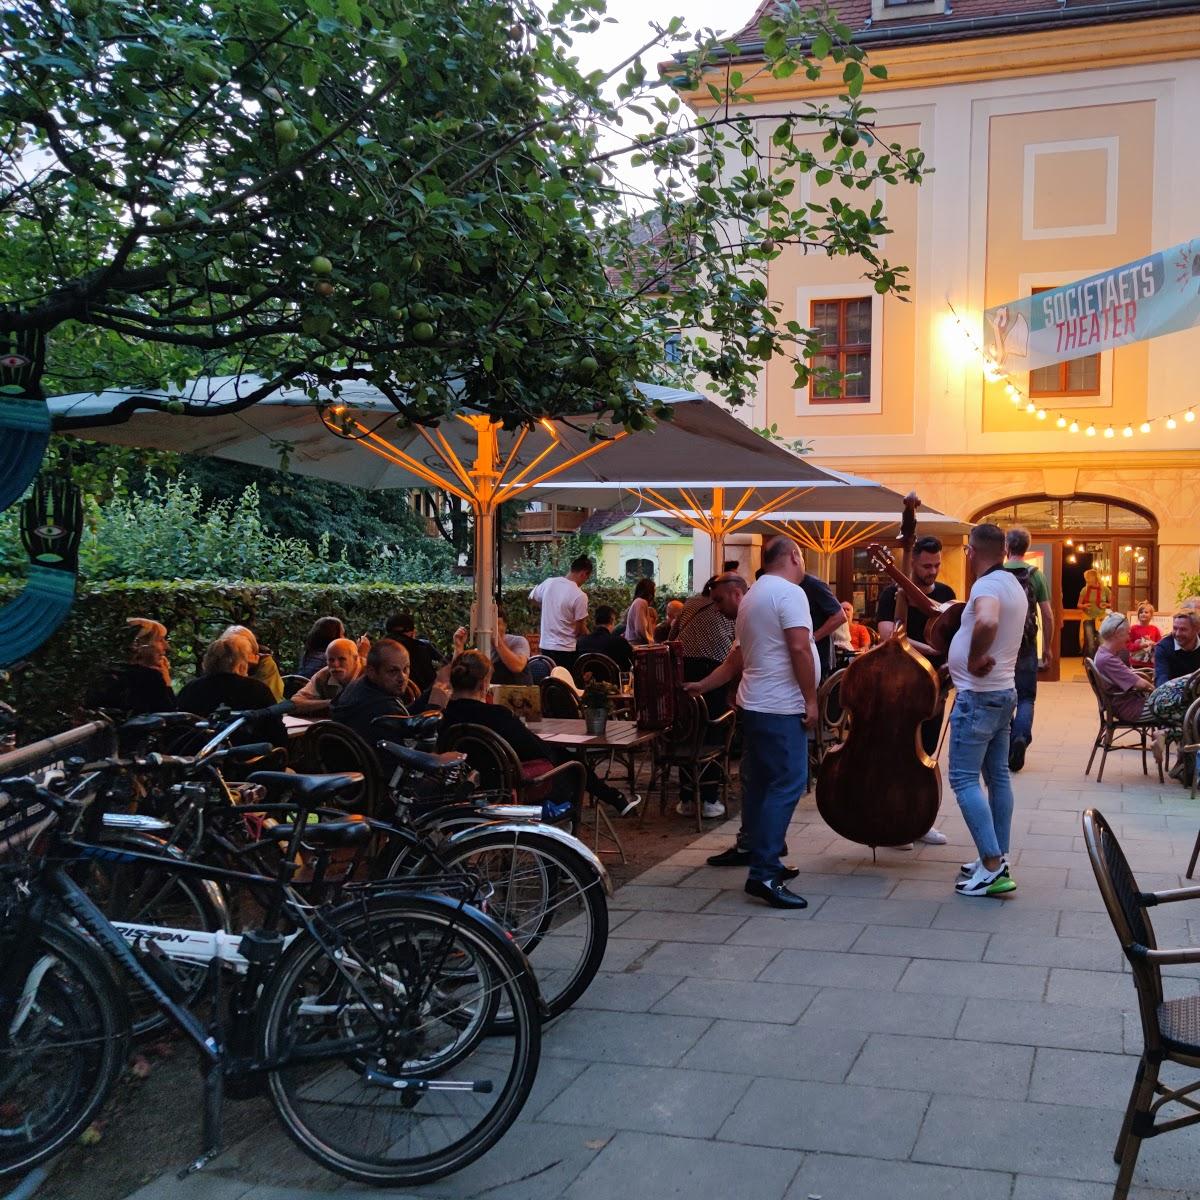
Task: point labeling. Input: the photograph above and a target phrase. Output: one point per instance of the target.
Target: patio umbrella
(355, 438)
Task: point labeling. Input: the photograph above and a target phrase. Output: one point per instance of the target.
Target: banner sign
(1155, 295)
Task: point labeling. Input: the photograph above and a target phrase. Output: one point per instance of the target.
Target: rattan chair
(1191, 745)
(690, 747)
(328, 747)
(558, 700)
(600, 667)
(1113, 727)
(832, 718)
(1170, 1028)
(292, 684)
(539, 667)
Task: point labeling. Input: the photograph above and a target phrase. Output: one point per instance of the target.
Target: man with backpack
(1033, 582)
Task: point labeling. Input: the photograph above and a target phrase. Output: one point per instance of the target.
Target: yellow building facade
(1057, 153)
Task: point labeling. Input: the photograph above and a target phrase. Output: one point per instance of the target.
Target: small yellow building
(1065, 140)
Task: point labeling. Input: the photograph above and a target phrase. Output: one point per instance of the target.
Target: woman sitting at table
(226, 683)
(470, 675)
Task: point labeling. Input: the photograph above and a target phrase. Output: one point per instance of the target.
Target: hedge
(47, 695)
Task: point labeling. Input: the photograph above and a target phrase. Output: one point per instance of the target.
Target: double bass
(947, 614)
(879, 787)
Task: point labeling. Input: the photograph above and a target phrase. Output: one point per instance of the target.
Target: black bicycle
(366, 1022)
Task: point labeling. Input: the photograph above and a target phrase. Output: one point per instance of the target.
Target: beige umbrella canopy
(355, 438)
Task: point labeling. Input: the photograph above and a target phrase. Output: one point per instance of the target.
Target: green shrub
(50, 692)
(1189, 586)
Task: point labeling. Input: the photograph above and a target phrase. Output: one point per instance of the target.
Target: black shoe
(774, 893)
(735, 856)
(1016, 755)
(789, 873)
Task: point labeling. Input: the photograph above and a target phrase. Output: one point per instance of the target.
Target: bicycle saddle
(425, 764)
(152, 722)
(346, 831)
(314, 788)
(407, 727)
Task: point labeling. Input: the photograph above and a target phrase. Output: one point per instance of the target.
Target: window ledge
(881, 10)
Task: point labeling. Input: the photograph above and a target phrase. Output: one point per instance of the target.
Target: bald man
(342, 666)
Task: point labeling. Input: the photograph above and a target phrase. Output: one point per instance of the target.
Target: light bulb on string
(1127, 431)
(1031, 407)
(1172, 423)
(1144, 427)
(1073, 427)
(1190, 415)
(1041, 414)
(1109, 431)
(1090, 431)
(1008, 387)
(1061, 422)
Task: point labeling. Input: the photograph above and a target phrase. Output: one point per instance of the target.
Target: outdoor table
(618, 736)
(296, 726)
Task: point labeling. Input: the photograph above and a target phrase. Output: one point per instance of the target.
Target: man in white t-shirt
(983, 662)
(777, 660)
(564, 611)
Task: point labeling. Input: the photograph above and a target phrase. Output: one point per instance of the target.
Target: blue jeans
(774, 776)
(979, 742)
(1027, 669)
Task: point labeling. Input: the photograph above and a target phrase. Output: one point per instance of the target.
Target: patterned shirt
(704, 632)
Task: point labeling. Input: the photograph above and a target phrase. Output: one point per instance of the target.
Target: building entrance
(1069, 537)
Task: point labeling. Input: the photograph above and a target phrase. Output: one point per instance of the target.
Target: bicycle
(365, 1020)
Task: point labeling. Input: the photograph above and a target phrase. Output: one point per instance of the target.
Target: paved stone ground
(893, 1040)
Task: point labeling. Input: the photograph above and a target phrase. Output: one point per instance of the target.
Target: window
(1079, 377)
(883, 10)
(638, 568)
(673, 348)
(844, 328)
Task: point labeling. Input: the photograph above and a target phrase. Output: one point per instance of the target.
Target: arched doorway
(1072, 534)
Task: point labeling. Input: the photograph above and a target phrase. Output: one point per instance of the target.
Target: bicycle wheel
(549, 898)
(387, 1076)
(140, 894)
(63, 1041)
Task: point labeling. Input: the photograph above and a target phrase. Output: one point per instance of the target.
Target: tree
(332, 191)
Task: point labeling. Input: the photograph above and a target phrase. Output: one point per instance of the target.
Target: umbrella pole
(485, 563)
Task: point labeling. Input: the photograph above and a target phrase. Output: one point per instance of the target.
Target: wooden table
(296, 726)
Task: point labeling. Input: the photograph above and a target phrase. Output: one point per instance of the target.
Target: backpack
(1024, 576)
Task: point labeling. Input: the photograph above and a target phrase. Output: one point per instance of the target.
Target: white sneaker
(986, 883)
(714, 809)
(974, 865)
(935, 837)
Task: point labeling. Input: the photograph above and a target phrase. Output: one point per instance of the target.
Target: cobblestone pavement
(893, 1040)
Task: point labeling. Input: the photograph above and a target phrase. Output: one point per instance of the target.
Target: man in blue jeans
(777, 660)
(1028, 661)
(982, 662)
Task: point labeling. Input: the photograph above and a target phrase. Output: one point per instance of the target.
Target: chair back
(686, 732)
(1103, 699)
(489, 754)
(292, 684)
(539, 667)
(558, 700)
(327, 747)
(1122, 899)
(600, 667)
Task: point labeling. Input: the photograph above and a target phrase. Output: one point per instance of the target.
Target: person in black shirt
(226, 682)
(470, 675)
(602, 640)
(424, 657)
(926, 563)
(827, 615)
(143, 684)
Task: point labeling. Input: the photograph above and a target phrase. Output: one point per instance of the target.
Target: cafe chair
(692, 745)
(600, 667)
(1170, 1028)
(292, 684)
(328, 747)
(558, 700)
(1112, 727)
(539, 667)
(1191, 745)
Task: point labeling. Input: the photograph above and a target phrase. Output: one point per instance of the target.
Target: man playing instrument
(926, 563)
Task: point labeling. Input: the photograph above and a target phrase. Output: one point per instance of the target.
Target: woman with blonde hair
(1095, 600)
(1143, 636)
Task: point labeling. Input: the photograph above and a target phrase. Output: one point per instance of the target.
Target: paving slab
(709, 962)
(842, 1177)
(1077, 1077)
(935, 978)
(646, 1039)
(885, 1012)
(1030, 1023)
(746, 1001)
(796, 935)
(922, 943)
(829, 968)
(944, 1065)
(762, 1049)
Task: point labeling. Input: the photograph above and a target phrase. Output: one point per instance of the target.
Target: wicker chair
(1113, 727)
(558, 700)
(693, 744)
(1191, 745)
(1170, 1028)
(329, 746)
(600, 667)
(539, 667)
(292, 684)
(832, 717)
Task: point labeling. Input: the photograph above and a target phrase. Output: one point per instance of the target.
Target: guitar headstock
(880, 556)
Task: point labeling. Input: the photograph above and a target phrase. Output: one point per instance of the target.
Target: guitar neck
(916, 597)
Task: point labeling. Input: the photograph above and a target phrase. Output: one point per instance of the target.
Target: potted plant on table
(595, 702)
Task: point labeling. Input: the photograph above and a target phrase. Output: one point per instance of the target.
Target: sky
(613, 42)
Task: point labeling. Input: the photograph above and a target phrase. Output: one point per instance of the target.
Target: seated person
(379, 691)
(1179, 654)
(262, 665)
(143, 684)
(312, 658)
(342, 667)
(641, 620)
(424, 657)
(510, 653)
(225, 682)
(664, 631)
(602, 640)
(1144, 636)
(470, 676)
(851, 635)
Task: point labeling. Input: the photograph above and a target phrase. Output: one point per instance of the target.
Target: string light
(993, 372)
